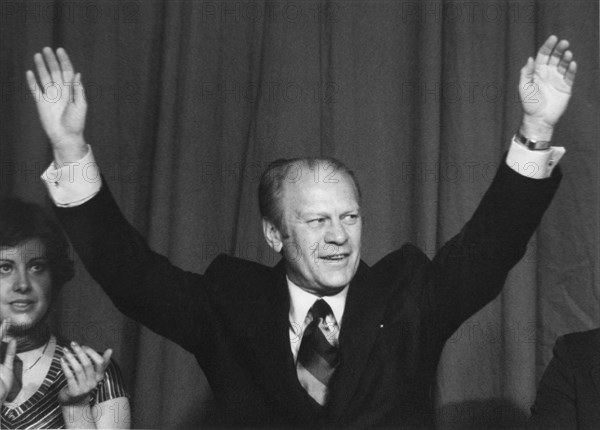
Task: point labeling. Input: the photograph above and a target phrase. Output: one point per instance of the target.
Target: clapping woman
(45, 381)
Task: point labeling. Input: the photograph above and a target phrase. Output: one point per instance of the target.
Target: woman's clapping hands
(84, 369)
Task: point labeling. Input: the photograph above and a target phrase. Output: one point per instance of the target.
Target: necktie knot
(320, 309)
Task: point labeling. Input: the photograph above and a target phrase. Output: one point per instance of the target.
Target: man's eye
(316, 221)
(5, 268)
(351, 218)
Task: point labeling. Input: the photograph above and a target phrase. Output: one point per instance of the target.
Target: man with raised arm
(321, 339)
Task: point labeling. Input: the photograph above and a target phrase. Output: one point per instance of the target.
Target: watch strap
(534, 145)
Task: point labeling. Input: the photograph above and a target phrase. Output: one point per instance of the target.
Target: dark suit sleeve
(555, 404)
(470, 270)
(142, 284)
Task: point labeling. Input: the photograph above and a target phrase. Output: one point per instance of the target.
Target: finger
(65, 65)
(570, 73)
(527, 71)
(543, 54)
(107, 354)
(81, 354)
(34, 88)
(67, 370)
(96, 358)
(75, 365)
(106, 358)
(40, 65)
(558, 52)
(84, 360)
(4, 329)
(53, 66)
(100, 362)
(11, 351)
(71, 380)
(79, 90)
(564, 62)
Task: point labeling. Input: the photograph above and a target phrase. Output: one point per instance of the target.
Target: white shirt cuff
(533, 164)
(74, 183)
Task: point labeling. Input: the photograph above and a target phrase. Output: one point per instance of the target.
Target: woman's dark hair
(21, 221)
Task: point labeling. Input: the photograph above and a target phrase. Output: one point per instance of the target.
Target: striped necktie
(318, 356)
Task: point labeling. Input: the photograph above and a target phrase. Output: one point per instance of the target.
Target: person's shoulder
(583, 336)
(408, 256)
(227, 272)
(582, 346)
(226, 264)
(404, 264)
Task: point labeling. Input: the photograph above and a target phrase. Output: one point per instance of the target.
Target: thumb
(11, 351)
(106, 356)
(527, 71)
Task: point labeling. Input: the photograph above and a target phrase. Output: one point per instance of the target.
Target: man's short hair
(291, 170)
(21, 221)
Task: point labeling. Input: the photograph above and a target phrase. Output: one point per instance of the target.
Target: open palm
(59, 97)
(546, 83)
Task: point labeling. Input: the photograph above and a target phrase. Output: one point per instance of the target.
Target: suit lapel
(269, 337)
(360, 325)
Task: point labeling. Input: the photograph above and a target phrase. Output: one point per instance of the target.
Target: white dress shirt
(300, 303)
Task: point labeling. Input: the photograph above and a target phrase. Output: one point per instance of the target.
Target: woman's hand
(6, 368)
(84, 368)
(61, 103)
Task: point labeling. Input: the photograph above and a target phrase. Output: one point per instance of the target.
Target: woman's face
(25, 284)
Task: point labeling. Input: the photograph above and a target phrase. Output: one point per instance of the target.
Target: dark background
(189, 100)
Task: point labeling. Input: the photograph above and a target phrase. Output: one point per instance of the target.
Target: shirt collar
(301, 301)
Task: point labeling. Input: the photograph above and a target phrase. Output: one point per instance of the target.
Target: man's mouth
(335, 257)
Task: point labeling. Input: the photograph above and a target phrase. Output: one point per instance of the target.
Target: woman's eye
(38, 267)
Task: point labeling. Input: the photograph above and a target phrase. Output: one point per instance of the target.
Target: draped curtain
(190, 100)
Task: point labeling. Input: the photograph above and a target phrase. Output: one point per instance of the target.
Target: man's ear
(272, 235)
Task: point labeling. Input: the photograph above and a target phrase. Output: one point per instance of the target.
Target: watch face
(540, 146)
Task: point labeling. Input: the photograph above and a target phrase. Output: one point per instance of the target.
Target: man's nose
(336, 233)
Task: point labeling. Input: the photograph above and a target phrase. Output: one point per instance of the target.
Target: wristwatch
(534, 145)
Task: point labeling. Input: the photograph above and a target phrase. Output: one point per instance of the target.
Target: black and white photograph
(311, 214)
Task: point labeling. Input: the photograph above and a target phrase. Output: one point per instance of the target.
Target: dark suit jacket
(569, 393)
(398, 313)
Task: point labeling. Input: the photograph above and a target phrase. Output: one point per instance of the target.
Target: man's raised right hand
(61, 103)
